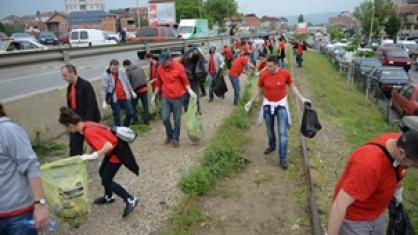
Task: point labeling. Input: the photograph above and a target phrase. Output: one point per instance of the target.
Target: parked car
(154, 34)
(409, 123)
(395, 56)
(410, 47)
(12, 46)
(385, 79)
(64, 38)
(113, 36)
(365, 66)
(48, 38)
(405, 100)
(89, 38)
(23, 36)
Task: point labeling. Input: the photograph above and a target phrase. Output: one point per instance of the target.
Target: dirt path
(261, 200)
(161, 168)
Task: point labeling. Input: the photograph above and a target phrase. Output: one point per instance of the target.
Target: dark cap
(409, 143)
(165, 55)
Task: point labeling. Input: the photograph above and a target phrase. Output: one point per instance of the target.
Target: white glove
(247, 106)
(134, 96)
(153, 99)
(192, 94)
(398, 195)
(153, 80)
(257, 74)
(86, 157)
(104, 105)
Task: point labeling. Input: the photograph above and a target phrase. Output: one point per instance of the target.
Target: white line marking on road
(26, 77)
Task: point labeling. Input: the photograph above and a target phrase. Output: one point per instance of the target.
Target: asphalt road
(26, 79)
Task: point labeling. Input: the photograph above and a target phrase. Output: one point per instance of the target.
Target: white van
(89, 38)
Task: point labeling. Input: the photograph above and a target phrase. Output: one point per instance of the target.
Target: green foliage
(197, 182)
(9, 29)
(392, 26)
(367, 54)
(46, 147)
(301, 18)
(336, 33)
(239, 119)
(379, 11)
(140, 128)
(222, 160)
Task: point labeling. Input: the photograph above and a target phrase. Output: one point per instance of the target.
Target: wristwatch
(41, 201)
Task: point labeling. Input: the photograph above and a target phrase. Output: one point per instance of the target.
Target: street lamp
(138, 18)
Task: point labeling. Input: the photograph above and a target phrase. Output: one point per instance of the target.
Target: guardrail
(65, 54)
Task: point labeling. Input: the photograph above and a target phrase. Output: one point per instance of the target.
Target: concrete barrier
(39, 111)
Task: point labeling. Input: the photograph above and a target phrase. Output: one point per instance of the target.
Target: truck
(193, 28)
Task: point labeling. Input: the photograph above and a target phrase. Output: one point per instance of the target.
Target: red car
(64, 38)
(395, 56)
(405, 100)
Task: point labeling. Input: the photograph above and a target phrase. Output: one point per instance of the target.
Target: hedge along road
(25, 79)
(156, 187)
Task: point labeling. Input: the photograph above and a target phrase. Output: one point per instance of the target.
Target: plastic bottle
(51, 227)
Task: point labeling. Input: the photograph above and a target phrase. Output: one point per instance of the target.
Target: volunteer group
(361, 195)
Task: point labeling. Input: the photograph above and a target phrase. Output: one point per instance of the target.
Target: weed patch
(46, 148)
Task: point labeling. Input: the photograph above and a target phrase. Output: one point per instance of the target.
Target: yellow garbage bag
(66, 190)
(193, 122)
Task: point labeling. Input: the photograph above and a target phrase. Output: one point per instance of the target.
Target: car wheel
(141, 55)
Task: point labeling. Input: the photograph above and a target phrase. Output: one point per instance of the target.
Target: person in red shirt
(115, 152)
(238, 66)
(173, 83)
(263, 62)
(117, 90)
(273, 84)
(227, 52)
(299, 53)
(153, 69)
(369, 181)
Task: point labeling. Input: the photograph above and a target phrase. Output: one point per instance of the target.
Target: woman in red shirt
(238, 66)
(104, 143)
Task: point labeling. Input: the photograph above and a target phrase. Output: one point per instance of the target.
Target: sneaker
(176, 144)
(167, 141)
(283, 164)
(104, 200)
(131, 203)
(268, 151)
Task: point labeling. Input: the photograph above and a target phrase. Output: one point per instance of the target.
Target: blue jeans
(282, 124)
(172, 106)
(125, 105)
(14, 225)
(210, 79)
(281, 62)
(144, 101)
(235, 85)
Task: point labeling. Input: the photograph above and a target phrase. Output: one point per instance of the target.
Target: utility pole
(227, 8)
(138, 17)
(200, 9)
(371, 25)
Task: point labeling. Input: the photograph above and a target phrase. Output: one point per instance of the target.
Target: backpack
(125, 133)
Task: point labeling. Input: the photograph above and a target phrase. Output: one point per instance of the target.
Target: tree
(187, 9)
(217, 10)
(301, 19)
(336, 33)
(392, 26)
(381, 9)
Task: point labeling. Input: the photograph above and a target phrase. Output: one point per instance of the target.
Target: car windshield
(396, 53)
(411, 46)
(21, 35)
(398, 74)
(46, 34)
(147, 32)
(370, 63)
(185, 29)
(3, 45)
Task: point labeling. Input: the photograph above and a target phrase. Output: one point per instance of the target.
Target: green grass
(140, 128)
(346, 109)
(47, 148)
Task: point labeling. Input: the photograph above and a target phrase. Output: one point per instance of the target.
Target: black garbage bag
(310, 123)
(399, 223)
(219, 85)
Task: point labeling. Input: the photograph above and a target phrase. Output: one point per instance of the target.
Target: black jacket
(86, 101)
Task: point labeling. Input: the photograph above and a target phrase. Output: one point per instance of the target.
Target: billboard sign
(162, 13)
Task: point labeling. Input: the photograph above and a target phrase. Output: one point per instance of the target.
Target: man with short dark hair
(173, 83)
(238, 66)
(82, 99)
(370, 179)
(138, 80)
(273, 84)
(21, 193)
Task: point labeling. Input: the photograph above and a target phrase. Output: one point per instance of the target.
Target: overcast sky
(260, 7)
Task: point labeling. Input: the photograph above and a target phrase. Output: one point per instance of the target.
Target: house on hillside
(92, 20)
(345, 20)
(408, 13)
(58, 23)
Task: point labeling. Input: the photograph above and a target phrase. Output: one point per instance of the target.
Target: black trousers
(107, 172)
(76, 144)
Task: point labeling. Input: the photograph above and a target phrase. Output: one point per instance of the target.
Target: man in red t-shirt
(263, 62)
(299, 53)
(228, 56)
(173, 83)
(238, 66)
(369, 181)
(273, 84)
(153, 64)
(281, 51)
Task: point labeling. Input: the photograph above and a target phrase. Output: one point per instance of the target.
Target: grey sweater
(108, 85)
(18, 164)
